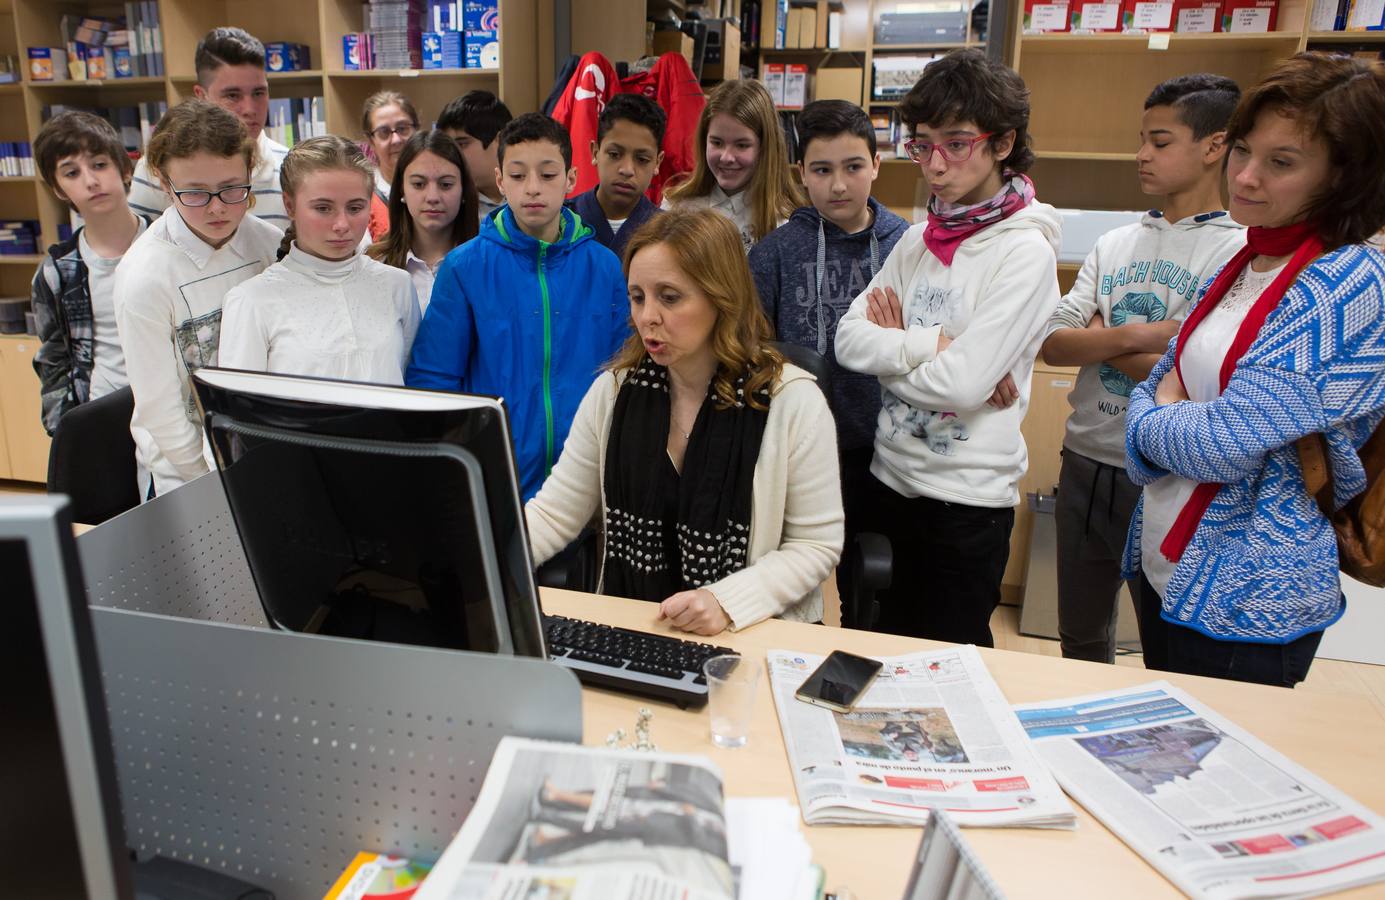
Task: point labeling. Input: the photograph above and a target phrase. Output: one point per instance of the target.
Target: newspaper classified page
(1215, 810)
(565, 822)
(932, 730)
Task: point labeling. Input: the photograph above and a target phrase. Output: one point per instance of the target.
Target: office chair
(92, 459)
(869, 560)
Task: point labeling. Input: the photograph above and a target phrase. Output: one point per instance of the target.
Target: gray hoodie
(790, 264)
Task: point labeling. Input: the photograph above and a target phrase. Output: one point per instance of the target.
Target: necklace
(686, 433)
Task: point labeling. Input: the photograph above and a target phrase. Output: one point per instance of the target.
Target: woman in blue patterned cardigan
(1239, 567)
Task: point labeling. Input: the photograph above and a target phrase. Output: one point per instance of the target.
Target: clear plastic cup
(731, 686)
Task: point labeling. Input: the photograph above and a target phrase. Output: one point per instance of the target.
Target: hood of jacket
(1036, 216)
(501, 228)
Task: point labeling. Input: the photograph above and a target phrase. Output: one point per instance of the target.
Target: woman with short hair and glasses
(388, 120)
(951, 326)
(172, 282)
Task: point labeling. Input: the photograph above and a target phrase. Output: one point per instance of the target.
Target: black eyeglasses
(237, 193)
(405, 131)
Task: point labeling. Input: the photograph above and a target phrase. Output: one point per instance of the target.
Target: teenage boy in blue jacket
(531, 308)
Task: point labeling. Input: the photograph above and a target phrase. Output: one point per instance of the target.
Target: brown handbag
(1360, 524)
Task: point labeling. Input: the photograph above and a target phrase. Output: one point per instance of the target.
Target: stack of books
(396, 30)
(293, 119)
(134, 124)
(16, 159)
(19, 238)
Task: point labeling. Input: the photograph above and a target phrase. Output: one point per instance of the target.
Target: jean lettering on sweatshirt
(1164, 272)
(843, 280)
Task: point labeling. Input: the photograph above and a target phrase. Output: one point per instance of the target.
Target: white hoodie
(1147, 271)
(936, 437)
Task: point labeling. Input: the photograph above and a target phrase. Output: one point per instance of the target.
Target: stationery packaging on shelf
(378, 876)
(286, 56)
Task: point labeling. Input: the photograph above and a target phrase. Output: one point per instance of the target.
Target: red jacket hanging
(673, 86)
(594, 83)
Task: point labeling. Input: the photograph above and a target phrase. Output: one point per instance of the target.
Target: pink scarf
(946, 230)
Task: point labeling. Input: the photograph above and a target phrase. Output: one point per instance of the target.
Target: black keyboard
(653, 665)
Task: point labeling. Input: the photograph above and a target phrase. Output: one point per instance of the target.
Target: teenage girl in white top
(325, 309)
(433, 208)
(742, 168)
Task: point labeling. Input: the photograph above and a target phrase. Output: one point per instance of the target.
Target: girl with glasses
(388, 120)
(950, 326)
(325, 309)
(172, 282)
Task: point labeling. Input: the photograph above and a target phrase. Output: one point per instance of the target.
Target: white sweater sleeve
(863, 346)
(153, 365)
(1078, 305)
(244, 338)
(572, 492)
(1017, 303)
(811, 541)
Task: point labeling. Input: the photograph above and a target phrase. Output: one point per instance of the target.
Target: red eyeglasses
(954, 150)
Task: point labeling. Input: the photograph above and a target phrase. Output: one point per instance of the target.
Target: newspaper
(1215, 810)
(566, 822)
(933, 730)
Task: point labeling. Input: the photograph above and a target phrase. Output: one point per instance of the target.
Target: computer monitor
(62, 834)
(374, 512)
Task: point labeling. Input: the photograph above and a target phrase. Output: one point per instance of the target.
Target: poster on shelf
(1096, 17)
(1249, 16)
(1196, 16)
(1148, 15)
(1040, 18)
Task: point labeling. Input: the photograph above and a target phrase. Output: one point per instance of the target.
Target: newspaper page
(933, 730)
(565, 822)
(1214, 809)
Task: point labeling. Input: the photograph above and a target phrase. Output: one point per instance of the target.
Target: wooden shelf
(1346, 37)
(11, 87)
(1084, 156)
(413, 73)
(21, 259)
(1284, 41)
(19, 179)
(97, 84)
(808, 51)
(304, 75)
(905, 48)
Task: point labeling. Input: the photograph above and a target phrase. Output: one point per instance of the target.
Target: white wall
(1359, 634)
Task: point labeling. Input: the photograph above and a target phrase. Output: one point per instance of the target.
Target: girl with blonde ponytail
(324, 309)
(742, 169)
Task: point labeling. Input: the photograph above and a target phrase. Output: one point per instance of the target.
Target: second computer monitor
(374, 512)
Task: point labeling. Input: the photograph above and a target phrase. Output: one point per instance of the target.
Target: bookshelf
(319, 24)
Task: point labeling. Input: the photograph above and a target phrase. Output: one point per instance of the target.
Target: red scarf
(1303, 242)
(945, 231)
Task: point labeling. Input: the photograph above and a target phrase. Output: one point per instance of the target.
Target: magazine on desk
(566, 822)
(933, 730)
(1216, 811)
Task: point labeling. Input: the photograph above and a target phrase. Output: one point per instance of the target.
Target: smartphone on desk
(839, 682)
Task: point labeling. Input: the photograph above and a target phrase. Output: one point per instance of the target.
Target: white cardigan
(796, 517)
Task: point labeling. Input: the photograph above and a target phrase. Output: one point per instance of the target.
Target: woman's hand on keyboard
(696, 611)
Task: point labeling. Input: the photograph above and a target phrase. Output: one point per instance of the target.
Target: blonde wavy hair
(774, 195)
(708, 249)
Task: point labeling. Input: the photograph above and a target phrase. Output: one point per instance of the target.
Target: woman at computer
(712, 463)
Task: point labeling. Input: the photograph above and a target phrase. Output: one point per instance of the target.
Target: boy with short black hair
(531, 308)
(230, 73)
(474, 120)
(1116, 322)
(809, 269)
(626, 154)
(81, 159)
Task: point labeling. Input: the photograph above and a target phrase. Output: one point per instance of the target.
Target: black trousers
(856, 499)
(949, 559)
(1174, 648)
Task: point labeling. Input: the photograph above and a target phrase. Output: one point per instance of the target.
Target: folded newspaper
(933, 730)
(565, 821)
(1217, 811)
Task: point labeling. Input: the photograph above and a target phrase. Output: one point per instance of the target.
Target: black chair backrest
(92, 459)
(810, 361)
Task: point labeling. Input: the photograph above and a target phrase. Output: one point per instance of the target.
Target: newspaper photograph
(1216, 811)
(933, 730)
(565, 822)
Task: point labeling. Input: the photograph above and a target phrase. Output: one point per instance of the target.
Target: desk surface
(1338, 738)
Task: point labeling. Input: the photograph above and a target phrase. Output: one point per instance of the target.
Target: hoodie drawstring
(822, 274)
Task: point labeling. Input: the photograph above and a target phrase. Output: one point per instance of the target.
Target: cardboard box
(808, 28)
(1096, 16)
(795, 85)
(1147, 15)
(793, 27)
(773, 79)
(1249, 16)
(480, 15)
(47, 64)
(1045, 17)
(839, 83)
(1196, 16)
(722, 58)
(482, 50)
(669, 41)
